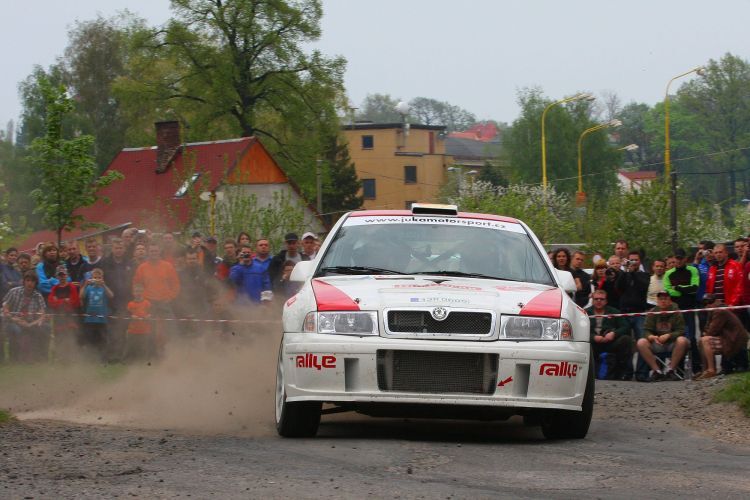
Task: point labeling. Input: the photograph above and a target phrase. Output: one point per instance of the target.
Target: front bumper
(344, 369)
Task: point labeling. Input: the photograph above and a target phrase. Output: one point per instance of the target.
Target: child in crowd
(64, 302)
(95, 296)
(140, 339)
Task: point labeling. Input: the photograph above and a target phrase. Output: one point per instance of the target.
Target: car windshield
(384, 246)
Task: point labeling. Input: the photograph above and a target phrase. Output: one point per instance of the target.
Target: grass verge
(737, 390)
(5, 417)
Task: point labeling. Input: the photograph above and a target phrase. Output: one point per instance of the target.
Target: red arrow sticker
(506, 381)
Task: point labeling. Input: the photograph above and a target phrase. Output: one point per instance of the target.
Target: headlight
(528, 328)
(347, 323)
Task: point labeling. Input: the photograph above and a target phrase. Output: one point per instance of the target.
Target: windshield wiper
(463, 275)
(359, 270)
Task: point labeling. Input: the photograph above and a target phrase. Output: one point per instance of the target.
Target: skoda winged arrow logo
(439, 313)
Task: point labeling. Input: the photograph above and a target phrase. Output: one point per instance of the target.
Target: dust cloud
(211, 384)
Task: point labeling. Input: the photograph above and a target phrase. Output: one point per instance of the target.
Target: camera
(626, 262)
(610, 272)
(245, 255)
(705, 252)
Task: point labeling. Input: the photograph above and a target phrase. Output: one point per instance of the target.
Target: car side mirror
(564, 278)
(304, 269)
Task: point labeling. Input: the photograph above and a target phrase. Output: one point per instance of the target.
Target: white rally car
(434, 313)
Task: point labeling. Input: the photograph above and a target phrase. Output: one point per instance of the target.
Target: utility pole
(319, 185)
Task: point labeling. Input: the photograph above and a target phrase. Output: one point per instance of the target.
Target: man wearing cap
(291, 252)
(724, 335)
(310, 245)
(663, 333)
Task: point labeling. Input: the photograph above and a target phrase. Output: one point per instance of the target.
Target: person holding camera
(633, 287)
(610, 279)
(250, 276)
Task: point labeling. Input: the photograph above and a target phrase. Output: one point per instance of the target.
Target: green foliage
(551, 214)
(433, 112)
(5, 416)
(66, 169)
(241, 212)
(737, 390)
(379, 108)
(563, 125)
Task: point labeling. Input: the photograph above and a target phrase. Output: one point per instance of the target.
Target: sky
(476, 54)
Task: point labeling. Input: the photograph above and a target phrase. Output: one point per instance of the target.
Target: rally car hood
(369, 293)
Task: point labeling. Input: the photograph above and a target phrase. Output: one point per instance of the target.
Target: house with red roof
(153, 192)
(630, 180)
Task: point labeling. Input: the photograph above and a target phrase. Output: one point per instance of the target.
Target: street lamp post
(577, 97)
(580, 195)
(700, 70)
(668, 174)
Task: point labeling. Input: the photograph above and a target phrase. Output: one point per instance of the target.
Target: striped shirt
(20, 303)
(719, 282)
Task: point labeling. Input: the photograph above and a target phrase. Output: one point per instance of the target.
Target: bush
(737, 390)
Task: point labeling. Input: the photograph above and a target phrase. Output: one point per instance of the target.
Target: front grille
(437, 372)
(415, 321)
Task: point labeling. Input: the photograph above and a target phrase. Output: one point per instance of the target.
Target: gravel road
(662, 440)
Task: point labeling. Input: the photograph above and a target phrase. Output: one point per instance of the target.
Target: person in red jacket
(64, 303)
(725, 277)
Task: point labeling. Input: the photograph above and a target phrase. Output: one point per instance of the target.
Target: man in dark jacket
(119, 271)
(610, 335)
(633, 287)
(277, 263)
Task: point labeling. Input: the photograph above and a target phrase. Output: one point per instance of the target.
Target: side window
(410, 174)
(368, 142)
(368, 189)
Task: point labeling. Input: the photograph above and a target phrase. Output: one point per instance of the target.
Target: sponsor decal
(312, 361)
(517, 288)
(561, 369)
(440, 285)
(442, 221)
(447, 300)
(547, 304)
(330, 298)
(291, 300)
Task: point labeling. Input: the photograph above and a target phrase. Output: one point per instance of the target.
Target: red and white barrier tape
(660, 313)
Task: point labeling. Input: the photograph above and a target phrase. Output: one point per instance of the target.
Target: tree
(564, 125)
(379, 108)
(711, 115)
(238, 59)
(68, 174)
(341, 184)
(96, 56)
(433, 112)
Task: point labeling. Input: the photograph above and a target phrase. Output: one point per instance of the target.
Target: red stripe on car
(547, 304)
(330, 298)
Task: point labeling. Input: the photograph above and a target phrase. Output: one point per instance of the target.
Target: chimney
(168, 144)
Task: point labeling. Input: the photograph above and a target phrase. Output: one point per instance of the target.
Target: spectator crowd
(671, 322)
(125, 299)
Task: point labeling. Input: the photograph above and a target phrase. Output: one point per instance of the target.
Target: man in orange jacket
(161, 286)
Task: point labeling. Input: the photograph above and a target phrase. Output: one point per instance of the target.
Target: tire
(294, 419)
(569, 424)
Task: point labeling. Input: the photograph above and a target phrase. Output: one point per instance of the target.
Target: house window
(368, 142)
(368, 189)
(408, 204)
(410, 174)
(186, 185)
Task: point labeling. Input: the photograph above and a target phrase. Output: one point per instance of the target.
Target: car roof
(408, 213)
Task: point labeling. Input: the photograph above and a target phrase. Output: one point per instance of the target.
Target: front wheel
(568, 424)
(299, 419)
